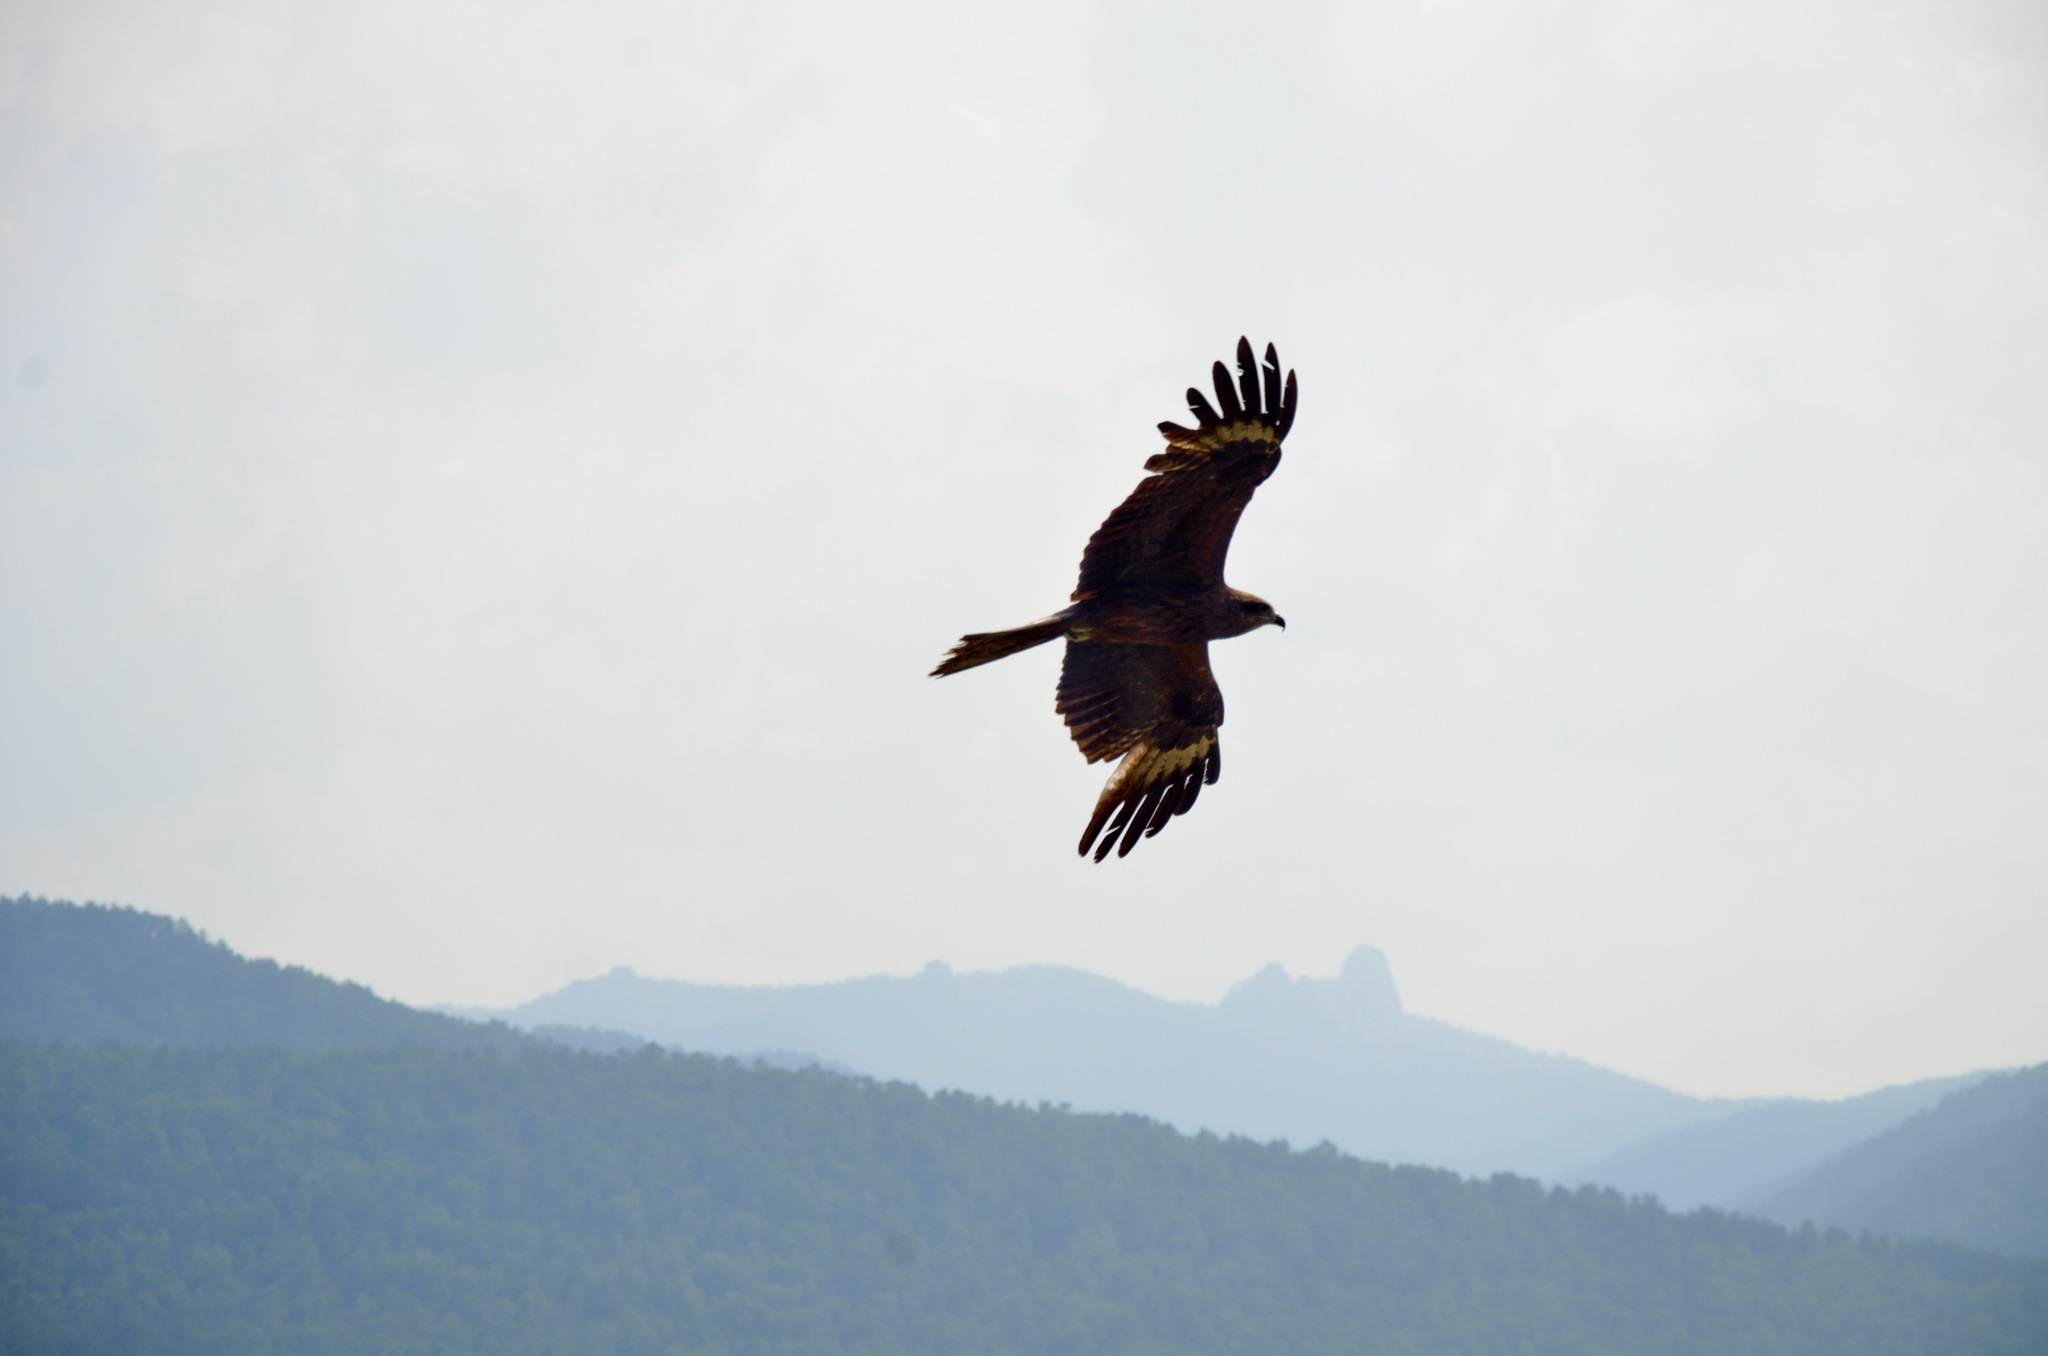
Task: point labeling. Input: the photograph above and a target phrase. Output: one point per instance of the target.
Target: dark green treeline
(413, 1200)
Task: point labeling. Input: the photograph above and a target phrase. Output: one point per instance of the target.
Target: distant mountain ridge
(1300, 1059)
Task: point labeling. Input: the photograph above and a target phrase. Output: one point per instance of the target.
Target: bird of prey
(1136, 680)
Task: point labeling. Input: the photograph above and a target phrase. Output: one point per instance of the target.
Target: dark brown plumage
(1136, 682)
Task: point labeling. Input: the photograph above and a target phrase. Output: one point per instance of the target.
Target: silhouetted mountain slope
(1300, 1059)
(1974, 1170)
(92, 973)
(225, 1201)
(1736, 1161)
(601, 1042)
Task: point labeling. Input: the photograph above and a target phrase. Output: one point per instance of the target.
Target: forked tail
(987, 646)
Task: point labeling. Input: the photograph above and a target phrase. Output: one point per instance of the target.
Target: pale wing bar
(1257, 407)
(1149, 787)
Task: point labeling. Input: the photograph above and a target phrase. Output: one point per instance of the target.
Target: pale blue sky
(481, 485)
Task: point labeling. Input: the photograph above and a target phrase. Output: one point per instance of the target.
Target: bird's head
(1258, 612)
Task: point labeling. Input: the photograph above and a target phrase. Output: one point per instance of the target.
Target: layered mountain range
(1305, 1060)
(1279, 1057)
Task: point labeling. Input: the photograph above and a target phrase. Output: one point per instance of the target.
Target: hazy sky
(481, 486)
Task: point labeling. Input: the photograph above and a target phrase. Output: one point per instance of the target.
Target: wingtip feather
(1248, 377)
(1226, 393)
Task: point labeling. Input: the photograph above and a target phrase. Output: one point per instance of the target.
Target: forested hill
(245, 1200)
(382, 1179)
(1745, 1158)
(1973, 1169)
(92, 973)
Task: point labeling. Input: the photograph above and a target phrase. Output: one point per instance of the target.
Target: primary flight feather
(1136, 680)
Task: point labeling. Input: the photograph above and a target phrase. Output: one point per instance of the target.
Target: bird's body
(1136, 681)
(1136, 619)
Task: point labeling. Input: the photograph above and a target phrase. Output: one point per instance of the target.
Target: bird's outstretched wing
(1174, 530)
(1158, 706)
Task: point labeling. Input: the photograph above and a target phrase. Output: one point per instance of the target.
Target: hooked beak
(1279, 621)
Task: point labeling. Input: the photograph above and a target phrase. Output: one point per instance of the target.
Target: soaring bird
(1136, 681)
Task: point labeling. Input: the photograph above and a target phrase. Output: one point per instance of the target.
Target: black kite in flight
(1136, 680)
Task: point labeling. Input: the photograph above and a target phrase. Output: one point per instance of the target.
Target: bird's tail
(988, 646)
